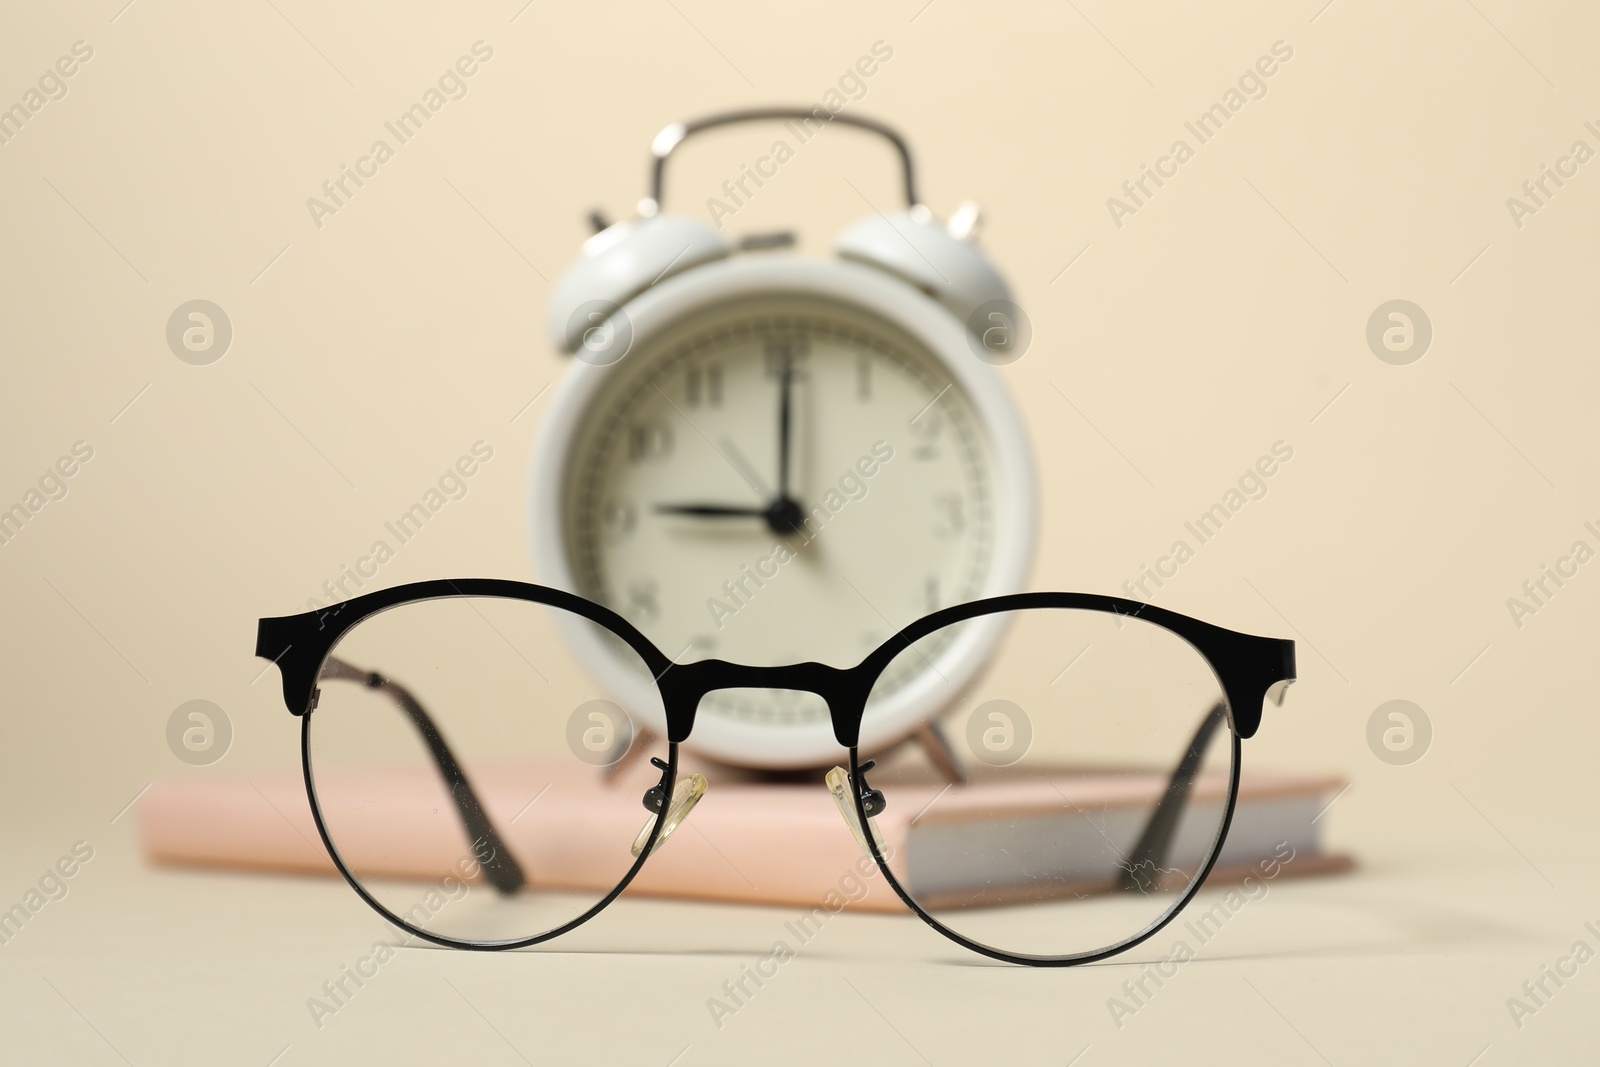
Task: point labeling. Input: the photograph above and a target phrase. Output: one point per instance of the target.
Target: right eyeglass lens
(1100, 763)
(457, 757)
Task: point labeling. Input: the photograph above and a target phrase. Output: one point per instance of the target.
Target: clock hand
(785, 391)
(783, 516)
(740, 463)
(711, 511)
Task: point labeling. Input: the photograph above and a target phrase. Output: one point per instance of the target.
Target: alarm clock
(768, 458)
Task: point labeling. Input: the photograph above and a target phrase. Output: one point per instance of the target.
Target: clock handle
(670, 138)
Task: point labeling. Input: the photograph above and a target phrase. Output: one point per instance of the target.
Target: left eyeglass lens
(1101, 769)
(456, 752)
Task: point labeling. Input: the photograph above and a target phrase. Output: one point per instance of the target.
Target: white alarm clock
(767, 458)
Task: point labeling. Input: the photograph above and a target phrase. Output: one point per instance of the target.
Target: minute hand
(784, 413)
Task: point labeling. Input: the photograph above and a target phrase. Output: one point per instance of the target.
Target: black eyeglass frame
(1249, 669)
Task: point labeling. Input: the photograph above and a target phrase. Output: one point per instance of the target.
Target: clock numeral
(649, 440)
(618, 519)
(703, 385)
(643, 600)
(793, 352)
(950, 517)
(863, 377)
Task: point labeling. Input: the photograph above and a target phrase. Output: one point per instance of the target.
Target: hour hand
(711, 511)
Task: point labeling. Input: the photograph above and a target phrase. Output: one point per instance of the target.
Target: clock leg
(931, 736)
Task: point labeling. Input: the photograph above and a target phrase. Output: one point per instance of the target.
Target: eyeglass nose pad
(838, 781)
(685, 795)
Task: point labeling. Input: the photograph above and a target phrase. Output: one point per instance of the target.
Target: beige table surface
(1404, 964)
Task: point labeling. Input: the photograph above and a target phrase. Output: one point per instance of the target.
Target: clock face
(682, 514)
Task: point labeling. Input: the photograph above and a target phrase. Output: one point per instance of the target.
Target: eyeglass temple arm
(499, 866)
(1149, 854)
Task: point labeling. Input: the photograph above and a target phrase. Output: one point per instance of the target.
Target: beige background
(1227, 314)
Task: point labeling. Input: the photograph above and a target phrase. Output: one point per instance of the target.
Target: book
(748, 840)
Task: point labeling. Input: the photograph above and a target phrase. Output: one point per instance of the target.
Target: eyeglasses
(468, 784)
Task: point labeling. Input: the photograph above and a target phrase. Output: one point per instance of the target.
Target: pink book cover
(752, 842)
